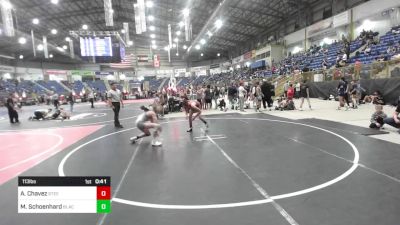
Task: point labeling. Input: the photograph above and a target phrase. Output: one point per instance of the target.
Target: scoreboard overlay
(64, 194)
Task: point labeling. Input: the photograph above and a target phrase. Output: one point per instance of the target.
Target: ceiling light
(68, 39)
(197, 47)
(65, 47)
(51, 56)
(21, 57)
(22, 40)
(150, 18)
(202, 41)
(185, 47)
(201, 54)
(35, 21)
(181, 24)
(152, 35)
(40, 47)
(111, 10)
(176, 40)
(130, 43)
(209, 33)
(177, 54)
(54, 31)
(166, 48)
(178, 33)
(152, 28)
(153, 42)
(1, 31)
(186, 12)
(123, 31)
(218, 23)
(60, 49)
(85, 27)
(218, 54)
(55, 2)
(6, 5)
(149, 4)
(174, 45)
(154, 46)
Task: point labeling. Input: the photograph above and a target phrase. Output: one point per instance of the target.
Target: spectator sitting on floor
(377, 117)
(222, 104)
(285, 104)
(376, 98)
(41, 114)
(64, 114)
(394, 120)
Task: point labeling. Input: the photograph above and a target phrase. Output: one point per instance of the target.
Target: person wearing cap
(115, 102)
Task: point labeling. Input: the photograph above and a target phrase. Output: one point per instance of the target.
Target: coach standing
(115, 102)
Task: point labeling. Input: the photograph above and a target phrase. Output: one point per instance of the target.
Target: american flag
(125, 63)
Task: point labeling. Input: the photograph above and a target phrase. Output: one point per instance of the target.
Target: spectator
(258, 96)
(357, 69)
(216, 94)
(242, 95)
(71, 100)
(12, 109)
(342, 92)
(354, 92)
(285, 88)
(208, 98)
(91, 99)
(297, 90)
(290, 92)
(377, 118)
(55, 100)
(232, 93)
(304, 94)
(394, 121)
(376, 98)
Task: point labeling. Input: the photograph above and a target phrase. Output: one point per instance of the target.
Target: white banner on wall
(237, 59)
(341, 19)
(7, 69)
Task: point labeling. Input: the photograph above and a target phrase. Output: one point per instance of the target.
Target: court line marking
(262, 191)
(244, 121)
(60, 141)
(339, 157)
(69, 126)
(236, 204)
(103, 217)
(214, 138)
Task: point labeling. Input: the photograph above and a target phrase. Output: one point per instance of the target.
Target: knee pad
(148, 134)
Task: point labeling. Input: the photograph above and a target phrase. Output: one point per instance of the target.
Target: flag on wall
(108, 13)
(125, 63)
(45, 47)
(7, 18)
(126, 28)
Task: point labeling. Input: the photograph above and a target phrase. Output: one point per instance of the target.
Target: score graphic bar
(64, 194)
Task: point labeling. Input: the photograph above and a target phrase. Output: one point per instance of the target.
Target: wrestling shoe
(156, 143)
(190, 130)
(134, 139)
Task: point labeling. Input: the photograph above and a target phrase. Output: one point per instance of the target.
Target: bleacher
(199, 80)
(11, 86)
(97, 85)
(29, 87)
(184, 81)
(155, 84)
(53, 86)
(78, 86)
(380, 49)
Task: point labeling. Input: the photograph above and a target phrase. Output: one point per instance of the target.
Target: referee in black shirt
(115, 102)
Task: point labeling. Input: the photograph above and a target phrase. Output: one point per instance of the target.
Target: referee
(115, 102)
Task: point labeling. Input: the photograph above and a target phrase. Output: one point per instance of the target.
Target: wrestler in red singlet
(193, 107)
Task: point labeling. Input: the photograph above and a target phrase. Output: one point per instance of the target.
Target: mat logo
(87, 116)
